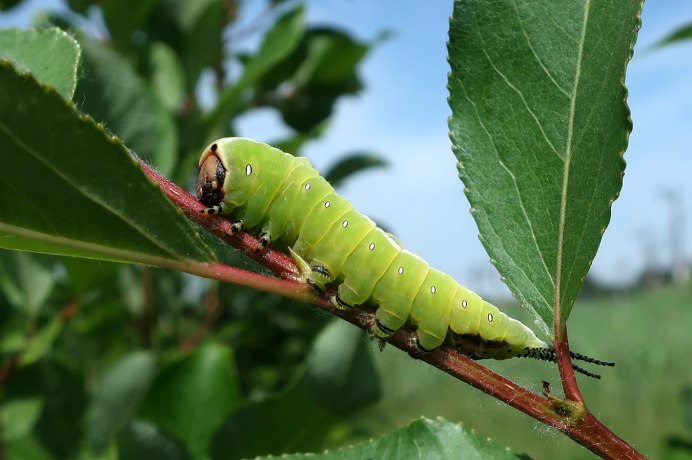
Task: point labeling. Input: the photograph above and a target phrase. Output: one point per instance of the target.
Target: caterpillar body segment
(285, 200)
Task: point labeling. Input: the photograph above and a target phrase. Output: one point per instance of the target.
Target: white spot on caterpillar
(401, 270)
(344, 224)
(490, 317)
(307, 186)
(372, 246)
(464, 303)
(433, 289)
(327, 204)
(248, 169)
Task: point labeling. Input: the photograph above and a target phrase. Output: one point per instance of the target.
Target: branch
(558, 413)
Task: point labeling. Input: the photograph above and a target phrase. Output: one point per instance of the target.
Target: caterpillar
(286, 202)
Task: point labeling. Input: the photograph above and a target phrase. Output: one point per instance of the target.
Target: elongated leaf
(67, 187)
(422, 439)
(204, 389)
(353, 164)
(339, 378)
(113, 93)
(539, 125)
(277, 44)
(51, 55)
(116, 400)
(678, 35)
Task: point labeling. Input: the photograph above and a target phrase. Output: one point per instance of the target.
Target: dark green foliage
(97, 356)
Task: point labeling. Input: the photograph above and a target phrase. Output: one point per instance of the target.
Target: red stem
(587, 431)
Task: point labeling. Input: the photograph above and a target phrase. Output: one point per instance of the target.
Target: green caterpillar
(286, 200)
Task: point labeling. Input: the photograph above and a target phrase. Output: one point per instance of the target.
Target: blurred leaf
(42, 341)
(50, 55)
(26, 448)
(686, 406)
(339, 378)
(193, 29)
(168, 81)
(308, 82)
(118, 397)
(124, 17)
(681, 34)
(111, 91)
(8, 4)
(86, 274)
(191, 398)
(423, 439)
(18, 416)
(539, 125)
(351, 164)
(278, 42)
(145, 441)
(26, 280)
(93, 200)
(62, 391)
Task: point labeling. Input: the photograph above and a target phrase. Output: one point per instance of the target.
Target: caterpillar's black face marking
(210, 182)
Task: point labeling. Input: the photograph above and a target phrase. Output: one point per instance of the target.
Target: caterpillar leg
(315, 275)
(216, 209)
(265, 238)
(237, 226)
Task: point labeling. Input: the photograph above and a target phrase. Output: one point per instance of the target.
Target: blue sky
(402, 114)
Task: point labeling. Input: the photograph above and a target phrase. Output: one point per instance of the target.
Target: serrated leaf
(50, 55)
(339, 378)
(539, 125)
(69, 188)
(118, 397)
(423, 439)
(205, 388)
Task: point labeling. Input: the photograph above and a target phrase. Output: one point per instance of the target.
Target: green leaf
(119, 396)
(41, 343)
(111, 91)
(678, 35)
(351, 164)
(168, 80)
(539, 125)
(62, 391)
(18, 417)
(423, 439)
(191, 398)
(50, 55)
(124, 18)
(144, 440)
(278, 43)
(26, 280)
(339, 378)
(69, 188)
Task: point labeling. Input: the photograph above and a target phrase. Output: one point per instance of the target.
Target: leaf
(69, 188)
(18, 417)
(144, 440)
(167, 77)
(423, 439)
(41, 343)
(204, 388)
(279, 41)
(116, 400)
(539, 125)
(678, 35)
(50, 55)
(26, 280)
(111, 91)
(351, 164)
(339, 378)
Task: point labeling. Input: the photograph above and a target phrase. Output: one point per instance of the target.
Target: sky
(402, 115)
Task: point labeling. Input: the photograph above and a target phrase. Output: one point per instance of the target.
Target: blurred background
(386, 110)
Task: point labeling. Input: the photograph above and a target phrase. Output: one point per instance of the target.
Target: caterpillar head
(212, 174)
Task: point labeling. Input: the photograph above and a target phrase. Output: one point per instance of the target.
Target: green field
(648, 335)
